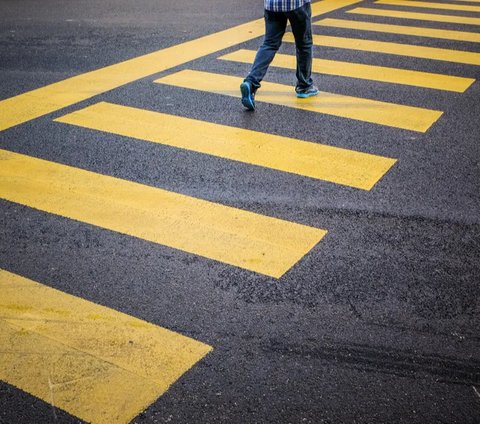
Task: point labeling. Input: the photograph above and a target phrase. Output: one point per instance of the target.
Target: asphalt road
(378, 323)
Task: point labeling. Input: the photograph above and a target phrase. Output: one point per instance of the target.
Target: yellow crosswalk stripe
(430, 5)
(401, 29)
(470, 1)
(44, 100)
(382, 113)
(367, 72)
(341, 166)
(97, 364)
(248, 240)
(33, 104)
(415, 16)
(409, 50)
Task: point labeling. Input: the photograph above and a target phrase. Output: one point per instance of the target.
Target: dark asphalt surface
(379, 323)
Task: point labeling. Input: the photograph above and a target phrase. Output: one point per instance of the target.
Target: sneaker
(303, 93)
(248, 95)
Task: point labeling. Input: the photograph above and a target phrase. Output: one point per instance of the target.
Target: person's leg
(300, 20)
(275, 25)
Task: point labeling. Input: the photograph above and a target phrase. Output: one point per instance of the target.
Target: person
(277, 13)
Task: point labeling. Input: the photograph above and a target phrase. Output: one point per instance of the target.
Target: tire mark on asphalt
(405, 363)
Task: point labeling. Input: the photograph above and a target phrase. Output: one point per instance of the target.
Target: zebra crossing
(333, 164)
(232, 236)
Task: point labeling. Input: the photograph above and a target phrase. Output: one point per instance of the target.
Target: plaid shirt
(284, 5)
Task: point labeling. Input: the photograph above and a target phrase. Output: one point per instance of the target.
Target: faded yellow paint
(402, 29)
(95, 363)
(341, 166)
(248, 240)
(416, 16)
(408, 50)
(367, 72)
(430, 5)
(382, 113)
(53, 97)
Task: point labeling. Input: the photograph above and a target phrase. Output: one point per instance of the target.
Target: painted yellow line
(430, 5)
(53, 97)
(97, 364)
(416, 16)
(470, 1)
(409, 50)
(401, 29)
(390, 114)
(367, 72)
(248, 240)
(56, 96)
(341, 166)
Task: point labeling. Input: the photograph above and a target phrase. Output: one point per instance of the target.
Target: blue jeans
(275, 26)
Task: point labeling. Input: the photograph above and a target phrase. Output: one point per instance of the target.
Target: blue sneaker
(303, 93)
(248, 95)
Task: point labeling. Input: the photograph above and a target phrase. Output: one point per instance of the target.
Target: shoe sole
(305, 95)
(247, 100)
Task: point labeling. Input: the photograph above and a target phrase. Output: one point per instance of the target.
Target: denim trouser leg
(300, 20)
(275, 25)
